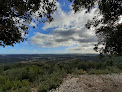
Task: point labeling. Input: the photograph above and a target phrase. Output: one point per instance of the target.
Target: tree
(110, 32)
(12, 12)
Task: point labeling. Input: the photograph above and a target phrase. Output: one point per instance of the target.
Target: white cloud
(82, 48)
(69, 19)
(68, 31)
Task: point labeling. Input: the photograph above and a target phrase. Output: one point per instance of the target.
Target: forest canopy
(107, 29)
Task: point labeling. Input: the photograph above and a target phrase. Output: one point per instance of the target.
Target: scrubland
(49, 76)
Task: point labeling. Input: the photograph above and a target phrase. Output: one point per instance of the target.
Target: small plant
(91, 71)
(80, 72)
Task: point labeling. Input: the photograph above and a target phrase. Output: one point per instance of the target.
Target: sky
(65, 35)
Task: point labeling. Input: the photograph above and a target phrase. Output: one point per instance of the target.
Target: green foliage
(99, 71)
(3, 80)
(49, 75)
(109, 34)
(80, 72)
(51, 81)
(23, 89)
(20, 12)
(15, 84)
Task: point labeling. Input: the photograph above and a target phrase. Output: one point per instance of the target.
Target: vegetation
(17, 15)
(45, 76)
(107, 29)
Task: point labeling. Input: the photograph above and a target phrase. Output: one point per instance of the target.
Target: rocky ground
(91, 83)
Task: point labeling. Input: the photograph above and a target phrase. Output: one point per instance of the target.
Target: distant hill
(12, 58)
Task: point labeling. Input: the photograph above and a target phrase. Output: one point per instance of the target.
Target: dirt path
(91, 83)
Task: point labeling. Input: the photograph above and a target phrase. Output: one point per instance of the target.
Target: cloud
(82, 48)
(68, 31)
(69, 19)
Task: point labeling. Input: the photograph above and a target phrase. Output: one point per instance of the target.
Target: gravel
(91, 83)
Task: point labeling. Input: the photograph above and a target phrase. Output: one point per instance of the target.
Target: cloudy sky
(66, 34)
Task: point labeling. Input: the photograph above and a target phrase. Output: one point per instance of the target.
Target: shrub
(113, 69)
(7, 86)
(48, 75)
(44, 87)
(91, 71)
(80, 72)
(23, 89)
(3, 79)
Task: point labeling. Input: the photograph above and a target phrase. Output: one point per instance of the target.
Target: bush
(23, 89)
(44, 87)
(113, 69)
(80, 72)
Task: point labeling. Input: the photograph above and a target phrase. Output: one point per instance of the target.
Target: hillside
(62, 74)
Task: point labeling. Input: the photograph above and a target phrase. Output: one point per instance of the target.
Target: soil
(91, 83)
